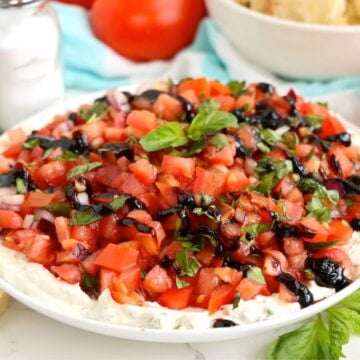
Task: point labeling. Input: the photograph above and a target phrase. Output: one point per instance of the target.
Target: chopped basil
(90, 281)
(31, 144)
(190, 243)
(255, 273)
(283, 168)
(236, 87)
(266, 184)
(236, 300)
(219, 141)
(270, 136)
(21, 186)
(48, 152)
(67, 156)
(119, 202)
(208, 122)
(61, 209)
(170, 134)
(96, 112)
(85, 218)
(180, 284)
(82, 169)
(319, 245)
(209, 106)
(263, 148)
(189, 265)
(196, 148)
(315, 121)
(255, 230)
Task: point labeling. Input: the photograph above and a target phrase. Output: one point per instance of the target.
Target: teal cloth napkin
(91, 65)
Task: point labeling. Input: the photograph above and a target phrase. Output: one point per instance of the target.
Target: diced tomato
(293, 246)
(89, 263)
(247, 102)
(67, 272)
(109, 229)
(222, 157)
(314, 227)
(222, 295)
(286, 295)
(133, 186)
(331, 126)
(128, 280)
(168, 193)
(10, 220)
(106, 279)
(94, 129)
(178, 166)
(63, 230)
(274, 263)
(200, 86)
(340, 230)
(249, 288)
(157, 281)
(217, 88)
(291, 212)
(346, 166)
(37, 199)
(226, 102)
(118, 257)
(85, 234)
(52, 174)
(144, 171)
(142, 120)
(168, 108)
(210, 182)
(39, 249)
(176, 299)
(133, 298)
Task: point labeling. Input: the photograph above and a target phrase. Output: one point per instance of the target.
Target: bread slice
(4, 301)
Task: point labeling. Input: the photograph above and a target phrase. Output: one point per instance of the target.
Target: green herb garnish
(82, 169)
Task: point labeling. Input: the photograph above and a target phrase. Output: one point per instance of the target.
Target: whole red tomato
(147, 29)
(85, 3)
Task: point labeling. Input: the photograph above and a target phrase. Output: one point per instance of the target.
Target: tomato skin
(315, 227)
(176, 299)
(209, 182)
(144, 171)
(52, 174)
(331, 126)
(164, 28)
(67, 272)
(221, 296)
(157, 281)
(249, 288)
(340, 231)
(10, 220)
(118, 257)
(178, 166)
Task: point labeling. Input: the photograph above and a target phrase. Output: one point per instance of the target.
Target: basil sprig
(82, 169)
(172, 134)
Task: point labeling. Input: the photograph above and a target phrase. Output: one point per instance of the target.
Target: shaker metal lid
(17, 3)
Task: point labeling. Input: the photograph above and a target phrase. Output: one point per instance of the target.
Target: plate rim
(158, 335)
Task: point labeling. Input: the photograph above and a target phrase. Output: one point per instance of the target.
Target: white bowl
(50, 309)
(289, 48)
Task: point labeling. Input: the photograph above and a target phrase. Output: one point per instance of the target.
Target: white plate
(155, 335)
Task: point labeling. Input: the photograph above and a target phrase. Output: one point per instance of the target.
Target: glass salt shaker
(30, 67)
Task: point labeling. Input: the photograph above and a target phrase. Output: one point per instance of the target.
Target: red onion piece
(80, 252)
(15, 208)
(28, 221)
(334, 184)
(7, 191)
(44, 214)
(16, 199)
(118, 100)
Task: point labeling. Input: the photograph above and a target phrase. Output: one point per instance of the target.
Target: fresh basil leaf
(208, 106)
(266, 184)
(61, 209)
(85, 218)
(318, 210)
(180, 284)
(170, 134)
(219, 141)
(31, 144)
(119, 202)
(196, 148)
(97, 111)
(189, 245)
(236, 87)
(21, 186)
(82, 169)
(205, 123)
(308, 185)
(309, 342)
(255, 273)
(189, 265)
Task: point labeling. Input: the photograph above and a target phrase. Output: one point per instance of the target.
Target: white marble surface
(27, 335)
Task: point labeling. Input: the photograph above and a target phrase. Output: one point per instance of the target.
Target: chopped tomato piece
(67, 272)
(210, 182)
(317, 232)
(168, 108)
(37, 199)
(331, 126)
(340, 230)
(144, 171)
(249, 288)
(178, 166)
(221, 296)
(10, 220)
(118, 257)
(176, 299)
(157, 281)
